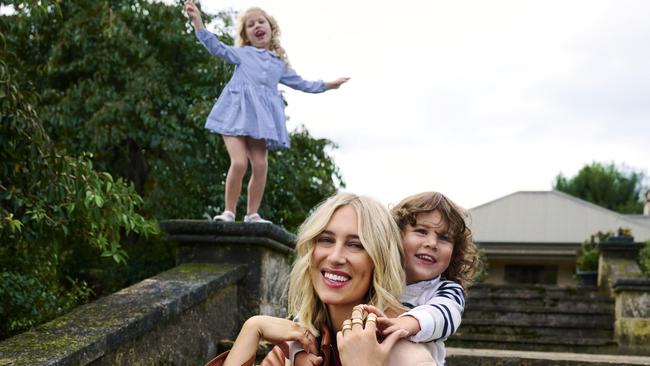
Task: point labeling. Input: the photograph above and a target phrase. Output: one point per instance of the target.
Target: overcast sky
(475, 99)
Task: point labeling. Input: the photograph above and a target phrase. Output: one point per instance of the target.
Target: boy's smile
(427, 247)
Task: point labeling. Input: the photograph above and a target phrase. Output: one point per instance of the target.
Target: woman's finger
(371, 323)
(357, 318)
(390, 341)
(308, 342)
(374, 310)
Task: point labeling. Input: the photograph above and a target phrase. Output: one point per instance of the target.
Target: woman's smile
(341, 270)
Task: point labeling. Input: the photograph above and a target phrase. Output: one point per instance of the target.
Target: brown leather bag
(219, 360)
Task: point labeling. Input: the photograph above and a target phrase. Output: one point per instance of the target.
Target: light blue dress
(250, 104)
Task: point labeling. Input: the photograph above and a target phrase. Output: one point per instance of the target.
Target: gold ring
(357, 321)
(307, 334)
(346, 327)
(371, 318)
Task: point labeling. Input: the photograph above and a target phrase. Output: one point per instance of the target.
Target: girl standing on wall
(249, 113)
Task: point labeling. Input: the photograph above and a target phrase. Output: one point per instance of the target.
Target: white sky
(475, 99)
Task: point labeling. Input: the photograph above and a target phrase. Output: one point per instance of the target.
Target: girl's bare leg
(236, 146)
(258, 156)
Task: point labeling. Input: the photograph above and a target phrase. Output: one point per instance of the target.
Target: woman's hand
(194, 14)
(336, 83)
(275, 330)
(357, 341)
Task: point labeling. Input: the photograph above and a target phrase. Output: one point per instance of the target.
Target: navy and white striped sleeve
(440, 316)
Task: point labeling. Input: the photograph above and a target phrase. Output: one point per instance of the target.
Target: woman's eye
(356, 245)
(421, 231)
(324, 239)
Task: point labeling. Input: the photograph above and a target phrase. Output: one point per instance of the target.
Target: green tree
(606, 185)
(53, 206)
(127, 81)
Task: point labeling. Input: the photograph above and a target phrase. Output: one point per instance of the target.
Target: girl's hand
(194, 14)
(336, 83)
(358, 345)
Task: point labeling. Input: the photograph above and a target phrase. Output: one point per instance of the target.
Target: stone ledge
(93, 330)
(213, 229)
(487, 357)
(632, 284)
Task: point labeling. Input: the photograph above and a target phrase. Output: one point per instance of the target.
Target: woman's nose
(337, 255)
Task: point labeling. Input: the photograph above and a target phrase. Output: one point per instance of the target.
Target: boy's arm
(440, 316)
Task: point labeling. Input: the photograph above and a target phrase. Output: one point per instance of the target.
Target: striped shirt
(438, 307)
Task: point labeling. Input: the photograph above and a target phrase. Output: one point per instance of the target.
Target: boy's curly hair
(465, 261)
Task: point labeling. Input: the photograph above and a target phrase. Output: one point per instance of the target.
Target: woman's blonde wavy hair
(465, 261)
(241, 39)
(380, 238)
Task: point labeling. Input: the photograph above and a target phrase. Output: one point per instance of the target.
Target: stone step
(532, 333)
(557, 305)
(492, 357)
(482, 291)
(544, 319)
(498, 341)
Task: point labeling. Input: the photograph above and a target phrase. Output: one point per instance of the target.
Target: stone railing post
(266, 250)
(620, 276)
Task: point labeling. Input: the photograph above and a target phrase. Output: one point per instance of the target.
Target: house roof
(548, 217)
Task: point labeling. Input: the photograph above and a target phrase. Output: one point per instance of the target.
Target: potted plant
(587, 260)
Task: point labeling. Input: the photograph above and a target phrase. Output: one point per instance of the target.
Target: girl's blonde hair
(465, 261)
(381, 240)
(241, 39)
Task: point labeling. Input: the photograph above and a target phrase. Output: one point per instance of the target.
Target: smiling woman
(349, 253)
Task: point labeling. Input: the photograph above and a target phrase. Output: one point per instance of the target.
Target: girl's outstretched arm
(194, 14)
(335, 84)
(271, 329)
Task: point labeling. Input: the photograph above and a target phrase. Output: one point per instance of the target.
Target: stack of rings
(372, 318)
(347, 325)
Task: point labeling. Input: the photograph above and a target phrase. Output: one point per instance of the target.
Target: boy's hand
(408, 323)
(388, 325)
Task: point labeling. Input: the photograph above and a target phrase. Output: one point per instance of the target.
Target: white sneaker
(255, 217)
(226, 216)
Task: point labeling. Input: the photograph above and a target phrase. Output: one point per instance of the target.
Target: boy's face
(427, 247)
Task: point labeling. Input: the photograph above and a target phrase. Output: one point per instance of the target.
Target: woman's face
(341, 270)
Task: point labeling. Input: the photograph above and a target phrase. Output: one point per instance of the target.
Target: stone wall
(225, 272)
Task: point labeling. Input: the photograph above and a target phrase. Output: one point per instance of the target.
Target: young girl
(249, 113)
(440, 262)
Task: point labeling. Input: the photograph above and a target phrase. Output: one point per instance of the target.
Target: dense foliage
(103, 108)
(53, 208)
(605, 185)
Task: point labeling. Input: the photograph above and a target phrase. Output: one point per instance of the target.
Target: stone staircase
(536, 318)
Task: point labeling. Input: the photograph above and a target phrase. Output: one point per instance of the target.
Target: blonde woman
(249, 113)
(349, 253)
